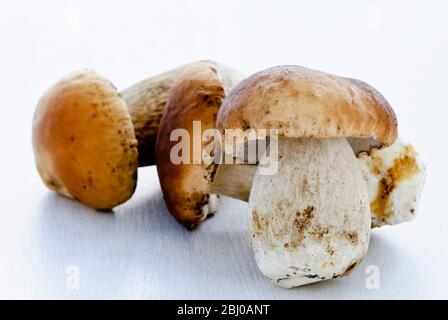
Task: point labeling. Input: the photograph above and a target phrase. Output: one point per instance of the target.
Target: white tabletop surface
(400, 47)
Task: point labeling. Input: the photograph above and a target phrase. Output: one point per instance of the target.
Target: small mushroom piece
(196, 95)
(395, 178)
(84, 142)
(310, 220)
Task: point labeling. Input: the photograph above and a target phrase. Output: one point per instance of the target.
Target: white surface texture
(400, 47)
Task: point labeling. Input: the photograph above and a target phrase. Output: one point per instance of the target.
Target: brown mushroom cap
(146, 101)
(305, 103)
(84, 142)
(195, 96)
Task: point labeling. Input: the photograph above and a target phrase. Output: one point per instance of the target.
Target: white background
(400, 47)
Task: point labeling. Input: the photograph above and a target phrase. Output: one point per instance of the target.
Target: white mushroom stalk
(311, 220)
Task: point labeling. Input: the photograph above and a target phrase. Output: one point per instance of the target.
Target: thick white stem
(311, 220)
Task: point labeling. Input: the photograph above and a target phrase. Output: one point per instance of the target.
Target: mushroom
(196, 95)
(84, 141)
(146, 102)
(86, 135)
(310, 221)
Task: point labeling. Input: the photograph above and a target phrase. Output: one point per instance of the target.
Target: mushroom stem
(311, 220)
(234, 180)
(146, 102)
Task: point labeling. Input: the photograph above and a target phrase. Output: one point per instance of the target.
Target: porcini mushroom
(84, 141)
(196, 95)
(310, 221)
(146, 102)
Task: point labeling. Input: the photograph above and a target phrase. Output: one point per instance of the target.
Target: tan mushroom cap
(84, 142)
(195, 96)
(305, 103)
